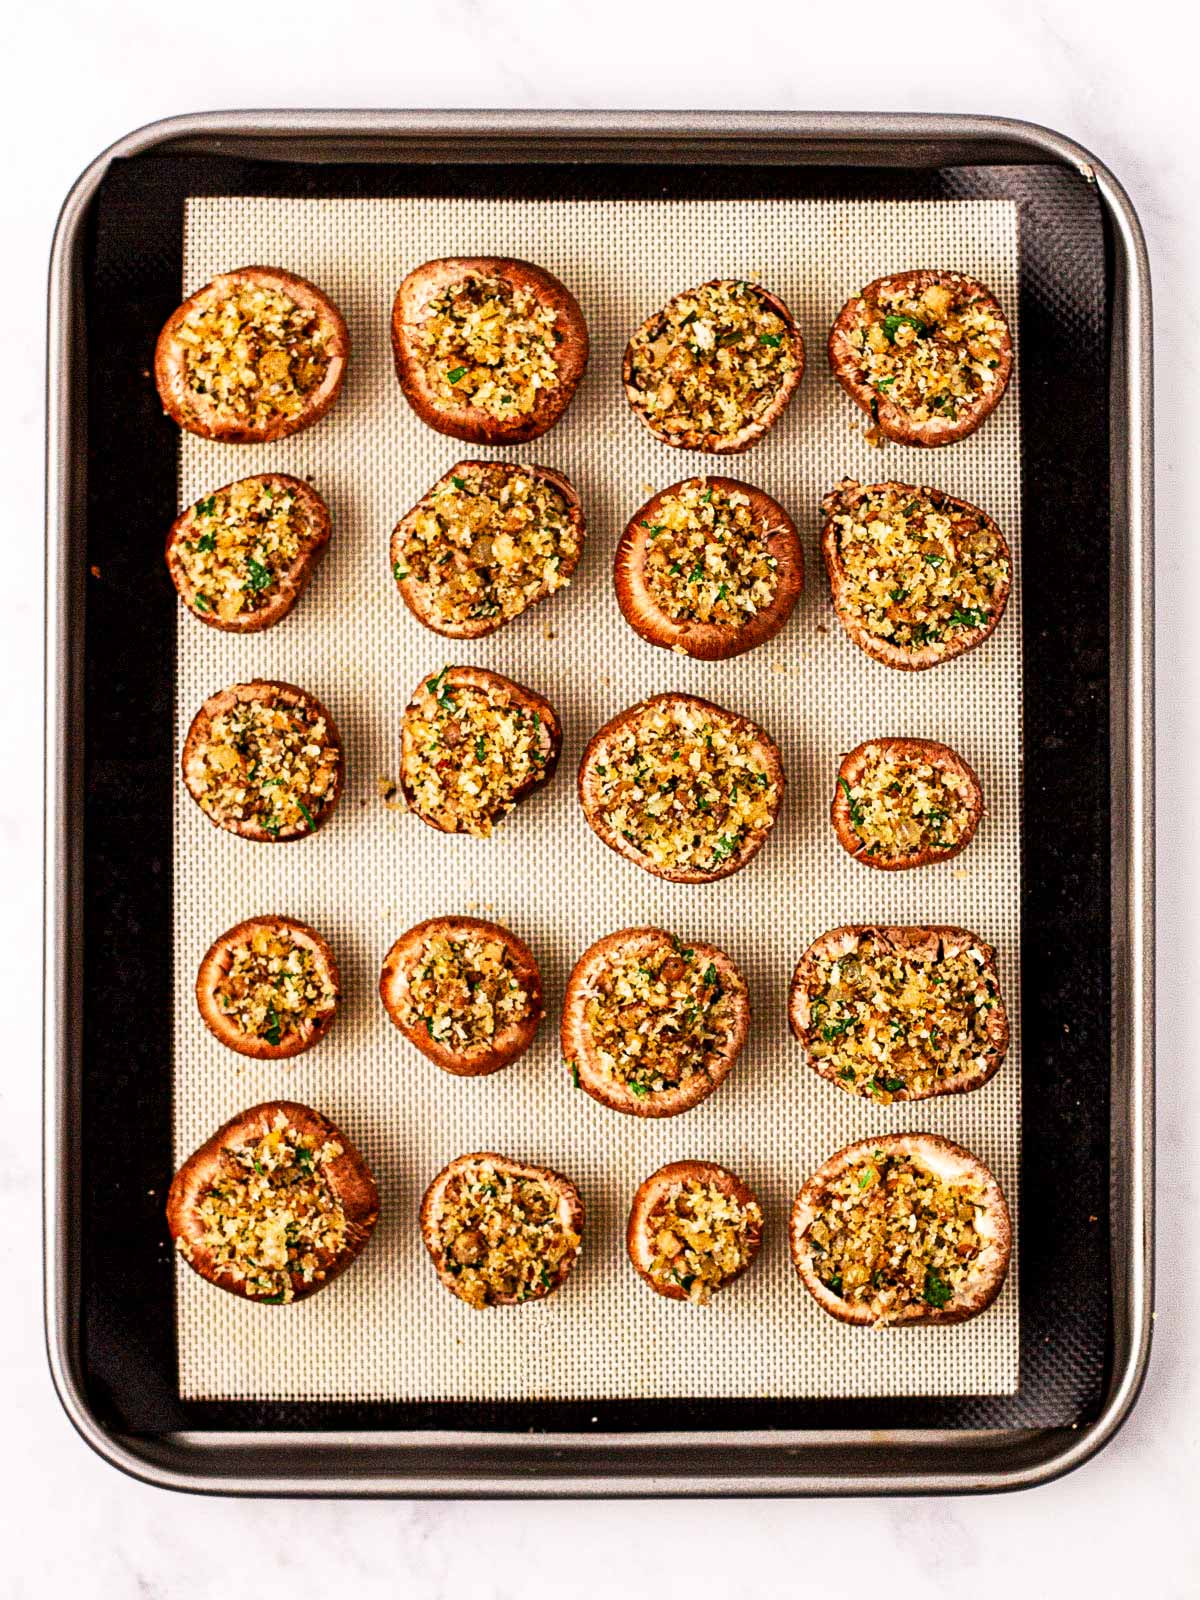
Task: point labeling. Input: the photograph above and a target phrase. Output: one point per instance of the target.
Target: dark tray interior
(131, 283)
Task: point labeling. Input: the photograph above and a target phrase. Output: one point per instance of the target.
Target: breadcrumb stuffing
(270, 1220)
(658, 1017)
(238, 543)
(902, 805)
(503, 1235)
(469, 753)
(712, 361)
(253, 354)
(490, 344)
(707, 556)
(463, 989)
(893, 1236)
(688, 786)
(274, 987)
(702, 1236)
(887, 1018)
(918, 571)
(486, 543)
(933, 353)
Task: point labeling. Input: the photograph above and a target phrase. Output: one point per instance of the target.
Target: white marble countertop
(1120, 80)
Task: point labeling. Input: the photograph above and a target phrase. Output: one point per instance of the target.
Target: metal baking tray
(1087, 885)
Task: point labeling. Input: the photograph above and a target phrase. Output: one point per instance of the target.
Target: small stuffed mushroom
(651, 1026)
(900, 1013)
(682, 788)
(714, 369)
(466, 993)
(264, 760)
(903, 803)
(501, 1232)
(269, 988)
(709, 567)
(917, 577)
(255, 355)
(274, 1205)
(473, 745)
(242, 556)
(489, 540)
(927, 355)
(905, 1229)
(488, 349)
(694, 1228)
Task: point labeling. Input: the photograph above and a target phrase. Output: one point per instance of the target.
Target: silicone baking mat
(387, 1329)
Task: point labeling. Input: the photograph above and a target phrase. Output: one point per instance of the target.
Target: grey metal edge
(745, 1463)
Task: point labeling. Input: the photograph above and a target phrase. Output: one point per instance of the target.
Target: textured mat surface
(388, 1330)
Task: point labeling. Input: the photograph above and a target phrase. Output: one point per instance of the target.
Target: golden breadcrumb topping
(489, 344)
(686, 785)
(237, 544)
(504, 1236)
(268, 762)
(463, 989)
(707, 556)
(658, 1017)
(902, 805)
(274, 987)
(890, 1018)
(471, 752)
(487, 542)
(270, 1219)
(932, 354)
(892, 1235)
(254, 354)
(920, 572)
(712, 360)
(702, 1237)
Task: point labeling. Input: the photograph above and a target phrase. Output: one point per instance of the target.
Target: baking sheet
(387, 1329)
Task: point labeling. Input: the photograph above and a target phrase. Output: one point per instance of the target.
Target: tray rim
(717, 1462)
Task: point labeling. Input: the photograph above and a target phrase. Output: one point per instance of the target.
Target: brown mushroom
(486, 542)
(247, 762)
(902, 803)
(900, 1013)
(672, 1039)
(473, 745)
(501, 1232)
(930, 585)
(255, 355)
(497, 379)
(722, 773)
(710, 567)
(274, 1205)
(693, 1229)
(217, 559)
(715, 367)
(926, 354)
(268, 988)
(893, 1284)
(477, 1015)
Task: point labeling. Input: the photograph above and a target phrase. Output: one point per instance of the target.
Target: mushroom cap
(292, 581)
(473, 423)
(570, 1214)
(512, 1040)
(892, 421)
(590, 797)
(347, 1175)
(660, 1187)
(953, 1165)
(195, 412)
(708, 641)
(576, 1038)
